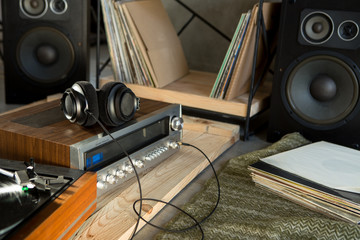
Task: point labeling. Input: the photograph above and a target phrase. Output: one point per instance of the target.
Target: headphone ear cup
(117, 103)
(76, 100)
(92, 102)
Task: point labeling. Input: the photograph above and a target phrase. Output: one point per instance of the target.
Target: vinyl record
(19, 205)
(16, 204)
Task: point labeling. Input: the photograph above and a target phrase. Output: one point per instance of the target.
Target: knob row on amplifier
(115, 174)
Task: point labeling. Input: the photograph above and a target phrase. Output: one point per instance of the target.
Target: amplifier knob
(101, 177)
(101, 185)
(148, 157)
(139, 163)
(157, 153)
(112, 171)
(177, 123)
(152, 156)
(129, 168)
(111, 179)
(120, 173)
(174, 145)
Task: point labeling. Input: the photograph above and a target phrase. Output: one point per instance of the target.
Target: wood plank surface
(195, 82)
(193, 94)
(212, 127)
(116, 219)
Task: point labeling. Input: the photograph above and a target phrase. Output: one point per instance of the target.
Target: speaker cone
(58, 6)
(321, 90)
(348, 30)
(317, 27)
(33, 8)
(45, 55)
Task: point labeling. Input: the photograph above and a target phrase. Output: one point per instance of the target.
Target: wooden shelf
(193, 91)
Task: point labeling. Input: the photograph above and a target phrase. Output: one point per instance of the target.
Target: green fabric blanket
(249, 212)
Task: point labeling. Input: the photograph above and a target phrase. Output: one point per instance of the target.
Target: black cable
(216, 177)
(141, 199)
(197, 223)
(132, 164)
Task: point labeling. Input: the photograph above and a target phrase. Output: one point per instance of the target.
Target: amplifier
(43, 133)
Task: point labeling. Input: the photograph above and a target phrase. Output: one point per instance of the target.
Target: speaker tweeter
(348, 30)
(58, 6)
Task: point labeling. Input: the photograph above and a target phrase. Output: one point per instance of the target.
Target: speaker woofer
(321, 91)
(45, 55)
(317, 27)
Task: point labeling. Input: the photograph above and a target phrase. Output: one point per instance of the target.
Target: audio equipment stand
(195, 14)
(98, 71)
(99, 68)
(269, 54)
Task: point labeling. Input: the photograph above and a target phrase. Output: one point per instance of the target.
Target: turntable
(42, 201)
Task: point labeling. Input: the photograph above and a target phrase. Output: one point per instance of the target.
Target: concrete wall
(204, 48)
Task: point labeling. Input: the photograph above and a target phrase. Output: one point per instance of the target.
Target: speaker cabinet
(316, 81)
(45, 46)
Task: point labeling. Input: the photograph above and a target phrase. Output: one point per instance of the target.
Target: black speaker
(45, 46)
(316, 81)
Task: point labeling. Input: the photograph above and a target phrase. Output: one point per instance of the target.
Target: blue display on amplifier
(95, 159)
(88, 162)
(108, 153)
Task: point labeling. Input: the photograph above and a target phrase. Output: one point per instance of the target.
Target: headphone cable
(141, 199)
(197, 223)
(132, 164)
